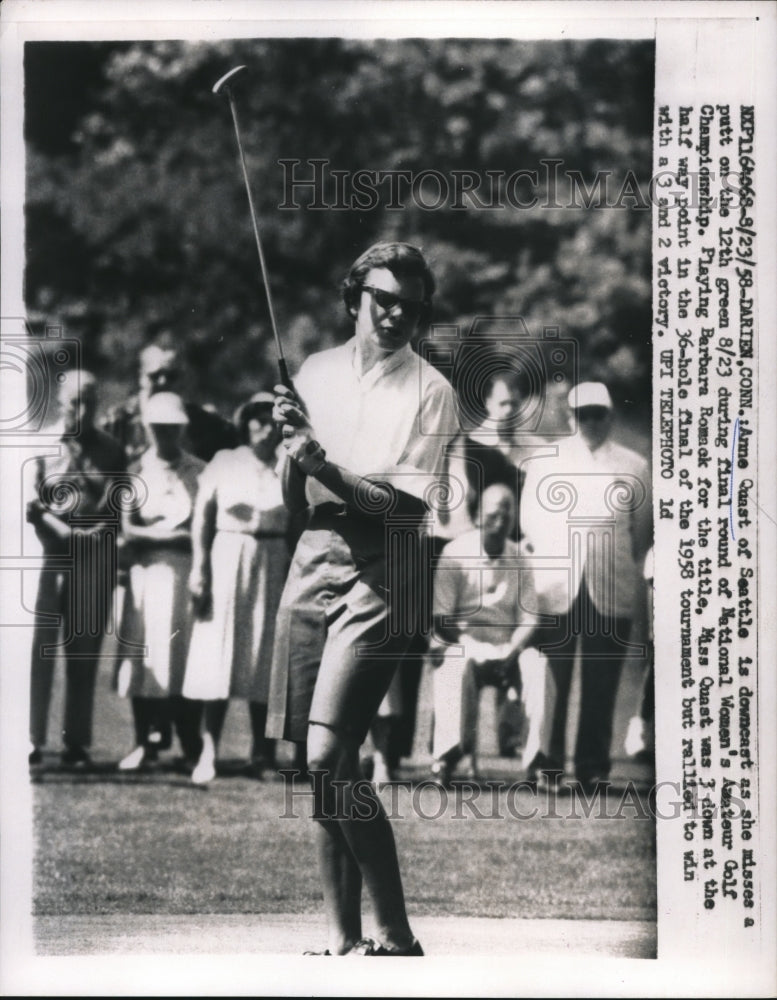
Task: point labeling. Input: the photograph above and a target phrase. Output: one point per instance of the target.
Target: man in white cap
(587, 514)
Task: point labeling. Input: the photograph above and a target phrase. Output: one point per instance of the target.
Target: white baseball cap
(590, 394)
(165, 408)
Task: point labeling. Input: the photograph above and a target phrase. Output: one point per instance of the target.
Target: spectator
(587, 510)
(472, 465)
(503, 427)
(640, 737)
(238, 572)
(482, 602)
(504, 430)
(157, 616)
(74, 509)
(503, 434)
(469, 468)
(160, 370)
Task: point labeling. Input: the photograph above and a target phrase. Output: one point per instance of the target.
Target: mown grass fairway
(109, 844)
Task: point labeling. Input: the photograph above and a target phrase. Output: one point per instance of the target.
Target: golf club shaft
(282, 368)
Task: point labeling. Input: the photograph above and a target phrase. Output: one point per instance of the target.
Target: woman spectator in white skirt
(238, 572)
(157, 615)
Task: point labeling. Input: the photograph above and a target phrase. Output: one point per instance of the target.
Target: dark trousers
(474, 680)
(603, 644)
(73, 608)
(159, 715)
(394, 735)
(215, 714)
(647, 709)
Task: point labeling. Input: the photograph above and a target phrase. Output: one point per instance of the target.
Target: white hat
(164, 408)
(590, 394)
(258, 399)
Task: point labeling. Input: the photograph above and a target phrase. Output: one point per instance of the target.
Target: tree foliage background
(137, 217)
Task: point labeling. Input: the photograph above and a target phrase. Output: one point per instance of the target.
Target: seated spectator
(471, 467)
(238, 572)
(483, 602)
(508, 406)
(157, 614)
(495, 452)
(73, 507)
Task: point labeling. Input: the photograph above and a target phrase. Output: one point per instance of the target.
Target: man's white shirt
(487, 597)
(586, 515)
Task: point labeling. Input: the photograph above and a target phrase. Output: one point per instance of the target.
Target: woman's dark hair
(260, 411)
(403, 260)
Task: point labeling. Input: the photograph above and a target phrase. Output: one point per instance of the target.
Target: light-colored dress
(157, 609)
(231, 650)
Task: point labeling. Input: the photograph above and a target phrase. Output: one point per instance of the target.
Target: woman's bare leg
(365, 840)
(340, 875)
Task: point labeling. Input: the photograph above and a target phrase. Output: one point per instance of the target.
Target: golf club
(224, 85)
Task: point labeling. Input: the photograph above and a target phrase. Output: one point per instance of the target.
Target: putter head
(226, 80)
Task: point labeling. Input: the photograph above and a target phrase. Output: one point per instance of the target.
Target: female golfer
(365, 431)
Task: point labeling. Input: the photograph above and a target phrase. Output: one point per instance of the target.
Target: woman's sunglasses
(387, 301)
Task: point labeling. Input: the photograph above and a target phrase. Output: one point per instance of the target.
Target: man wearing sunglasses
(587, 514)
(365, 433)
(160, 370)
